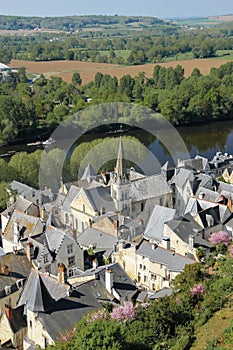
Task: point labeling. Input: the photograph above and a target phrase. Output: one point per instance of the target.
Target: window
(139, 277)
(47, 269)
(70, 248)
(142, 206)
(140, 266)
(153, 277)
(7, 290)
(71, 273)
(145, 278)
(144, 267)
(46, 258)
(153, 286)
(30, 323)
(19, 283)
(71, 260)
(84, 209)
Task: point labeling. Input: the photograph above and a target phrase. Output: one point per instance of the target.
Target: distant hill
(72, 23)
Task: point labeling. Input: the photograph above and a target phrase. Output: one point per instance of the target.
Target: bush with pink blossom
(197, 290)
(231, 251)
(125, 312)
(220, 237)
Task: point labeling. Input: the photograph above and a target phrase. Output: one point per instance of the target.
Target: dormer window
(69, 248)
(8, 290)
(19, 284)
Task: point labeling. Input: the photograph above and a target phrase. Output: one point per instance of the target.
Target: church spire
(120, 160)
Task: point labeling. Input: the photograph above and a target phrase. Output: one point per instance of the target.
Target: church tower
(120, 184)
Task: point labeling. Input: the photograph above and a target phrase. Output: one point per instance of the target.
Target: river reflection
(204, 140)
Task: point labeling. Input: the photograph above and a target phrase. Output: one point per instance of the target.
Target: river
(204, 140)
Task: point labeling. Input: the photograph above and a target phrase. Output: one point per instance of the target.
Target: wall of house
(8, 246)
(10, 299)
(6, 332)
(82, 212)
(36, 331)
(126, 257)
(18, 338)
(177, 244)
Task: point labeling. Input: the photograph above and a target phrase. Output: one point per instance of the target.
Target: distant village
(106, 238)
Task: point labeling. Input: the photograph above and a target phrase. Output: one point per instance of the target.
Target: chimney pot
(62, 273)
(109, 280)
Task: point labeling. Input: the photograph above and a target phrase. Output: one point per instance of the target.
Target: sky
(156, 8)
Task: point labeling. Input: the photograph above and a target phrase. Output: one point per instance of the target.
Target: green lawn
(123, 53)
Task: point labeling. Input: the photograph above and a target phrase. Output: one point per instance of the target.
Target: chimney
(15, 250)
(166, 243)
(229, 204)
(191, 241)
(102, 211)
(62, 273)
(5, 270)
(29, 251)
(8, 311)
(109, 280)
(116, 224)
(95, 263)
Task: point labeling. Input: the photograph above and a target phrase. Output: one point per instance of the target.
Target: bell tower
(120, 184)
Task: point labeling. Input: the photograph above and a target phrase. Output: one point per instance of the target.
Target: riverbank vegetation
(27, 111)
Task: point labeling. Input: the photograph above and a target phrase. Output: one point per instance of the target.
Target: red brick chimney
(116, 224)
(62, 273)
(8, 311)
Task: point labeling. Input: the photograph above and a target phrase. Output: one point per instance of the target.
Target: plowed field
(87, 70)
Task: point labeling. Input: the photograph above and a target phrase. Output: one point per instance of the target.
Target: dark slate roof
(41, 292)
(68, 311)
(155, 227)
(161, 293)
(149, 187)
(54, 237)
(96, 238)
(172, 261)
(18, 321)
(122, 283)
(28, 225)
(19, 268)
(186, 226)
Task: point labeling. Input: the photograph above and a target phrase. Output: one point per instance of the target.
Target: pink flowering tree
(220, 237)
(68, 335)
(197, 290)
(125, 312)
(98, 315)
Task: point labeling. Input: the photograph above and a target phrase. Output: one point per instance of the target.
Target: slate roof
(20, 188)
(19, 268)
(28, 226)
(72, 193)
(186, 226)
(18, 320)
(99, 197)
(96, 238)
(161, 293)
(68, 311)
(41, 291)
(181, 177)
(155, 227)
(172, 261)
(207, 194)
(21, 204)
(89, 172)
(54, 237)
(122, 283)
(149, 187)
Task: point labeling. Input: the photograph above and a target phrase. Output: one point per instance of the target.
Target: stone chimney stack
(95, 263)
(109, 280)
(8, 311)
(229, 204)
(102, 211)
(62, 273)
(166, 243)
(116, 224)
(191, 241)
